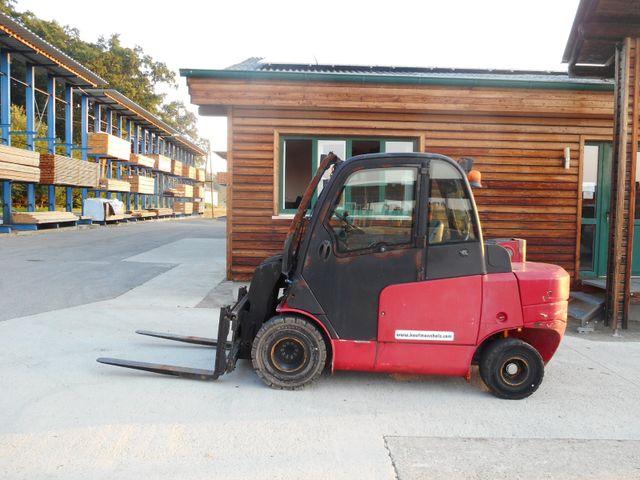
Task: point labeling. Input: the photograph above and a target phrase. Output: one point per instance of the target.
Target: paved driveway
(62, 415)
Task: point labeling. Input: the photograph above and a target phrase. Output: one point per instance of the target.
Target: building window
(300, 157)
(297, 170)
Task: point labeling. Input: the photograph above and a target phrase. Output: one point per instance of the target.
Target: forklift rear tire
(511, 368)
(288, 352)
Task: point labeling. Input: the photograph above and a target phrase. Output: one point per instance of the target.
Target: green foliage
(176, 114)
(19, 124)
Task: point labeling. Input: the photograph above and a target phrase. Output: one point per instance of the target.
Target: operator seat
(436, 231)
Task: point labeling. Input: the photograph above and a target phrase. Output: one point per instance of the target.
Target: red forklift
(384, 269)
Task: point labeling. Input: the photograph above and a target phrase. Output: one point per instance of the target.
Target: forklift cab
(386, 220)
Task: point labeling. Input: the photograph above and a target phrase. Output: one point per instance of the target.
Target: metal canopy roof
(255, 68)
(598, 26)
(117, 102)
(21, 41)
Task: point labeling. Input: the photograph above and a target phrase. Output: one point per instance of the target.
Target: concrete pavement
(62, 415)
(57, 269)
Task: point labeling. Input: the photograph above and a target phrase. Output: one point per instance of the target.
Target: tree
(185, 122)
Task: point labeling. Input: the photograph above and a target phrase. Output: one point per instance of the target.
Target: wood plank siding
(515, 135)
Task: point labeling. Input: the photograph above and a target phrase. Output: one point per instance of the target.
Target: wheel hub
(289, 355)
(515, 371)
(512, 368)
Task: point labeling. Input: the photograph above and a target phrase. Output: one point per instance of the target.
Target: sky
(210, 34)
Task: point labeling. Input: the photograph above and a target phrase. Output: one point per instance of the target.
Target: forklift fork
(226, 351)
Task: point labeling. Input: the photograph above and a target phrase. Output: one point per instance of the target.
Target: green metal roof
(255, 69)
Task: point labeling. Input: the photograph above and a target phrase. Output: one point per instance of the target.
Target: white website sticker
(425, 335)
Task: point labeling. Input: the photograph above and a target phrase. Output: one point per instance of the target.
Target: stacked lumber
(140, 184)
(61, 170)
(106, 145)
(183, 207)
(182, 190)
(198, 207)
(143, 213)
(189, 171)
(222, 178)
(162, 211)
(200, 175)
(114, 185)
(176, 167)
(43, 217)
(198, 192)
(19, 164)
(220, 211)
(142, 160)
(161, 162)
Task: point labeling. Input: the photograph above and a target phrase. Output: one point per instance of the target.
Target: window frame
(411, 243)
(281, 210)
(475, 224)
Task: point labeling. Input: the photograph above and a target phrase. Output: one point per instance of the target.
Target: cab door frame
(350, 305)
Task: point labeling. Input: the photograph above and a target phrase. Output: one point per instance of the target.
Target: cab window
(450, 212)
(375, 209)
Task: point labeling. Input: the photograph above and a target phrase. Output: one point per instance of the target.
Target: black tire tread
(488, 363)
(281, 322)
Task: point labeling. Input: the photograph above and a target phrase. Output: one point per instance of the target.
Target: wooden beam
(615, 30)
(634, 118)
(213, 110)
(230, 155)
(618, 263)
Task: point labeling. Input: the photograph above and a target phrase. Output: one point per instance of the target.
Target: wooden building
(516, 125)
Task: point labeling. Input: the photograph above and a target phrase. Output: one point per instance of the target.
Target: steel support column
(30, 113)
(5, 96)
(84, 136)
(51, 114)
(6, 201)
(51, 133)
(68, 136)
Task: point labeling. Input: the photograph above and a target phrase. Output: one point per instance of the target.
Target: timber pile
(189, 172)
(19, 164)
(183, 207)
(43, 217)
(140, 184)
(198, 207)
(222, 178)
(162, 163)
(106, 145)
(198, 192)
(61, 170)
(176, 167)
(182, 190)
(142, 160)
(162, 211)
(114, 185)
(200, 176)
(143, 213)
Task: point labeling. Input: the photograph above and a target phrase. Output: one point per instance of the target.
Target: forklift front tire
(288, 352)
(511, 368)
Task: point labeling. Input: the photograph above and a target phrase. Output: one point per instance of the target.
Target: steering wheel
(348, 226)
